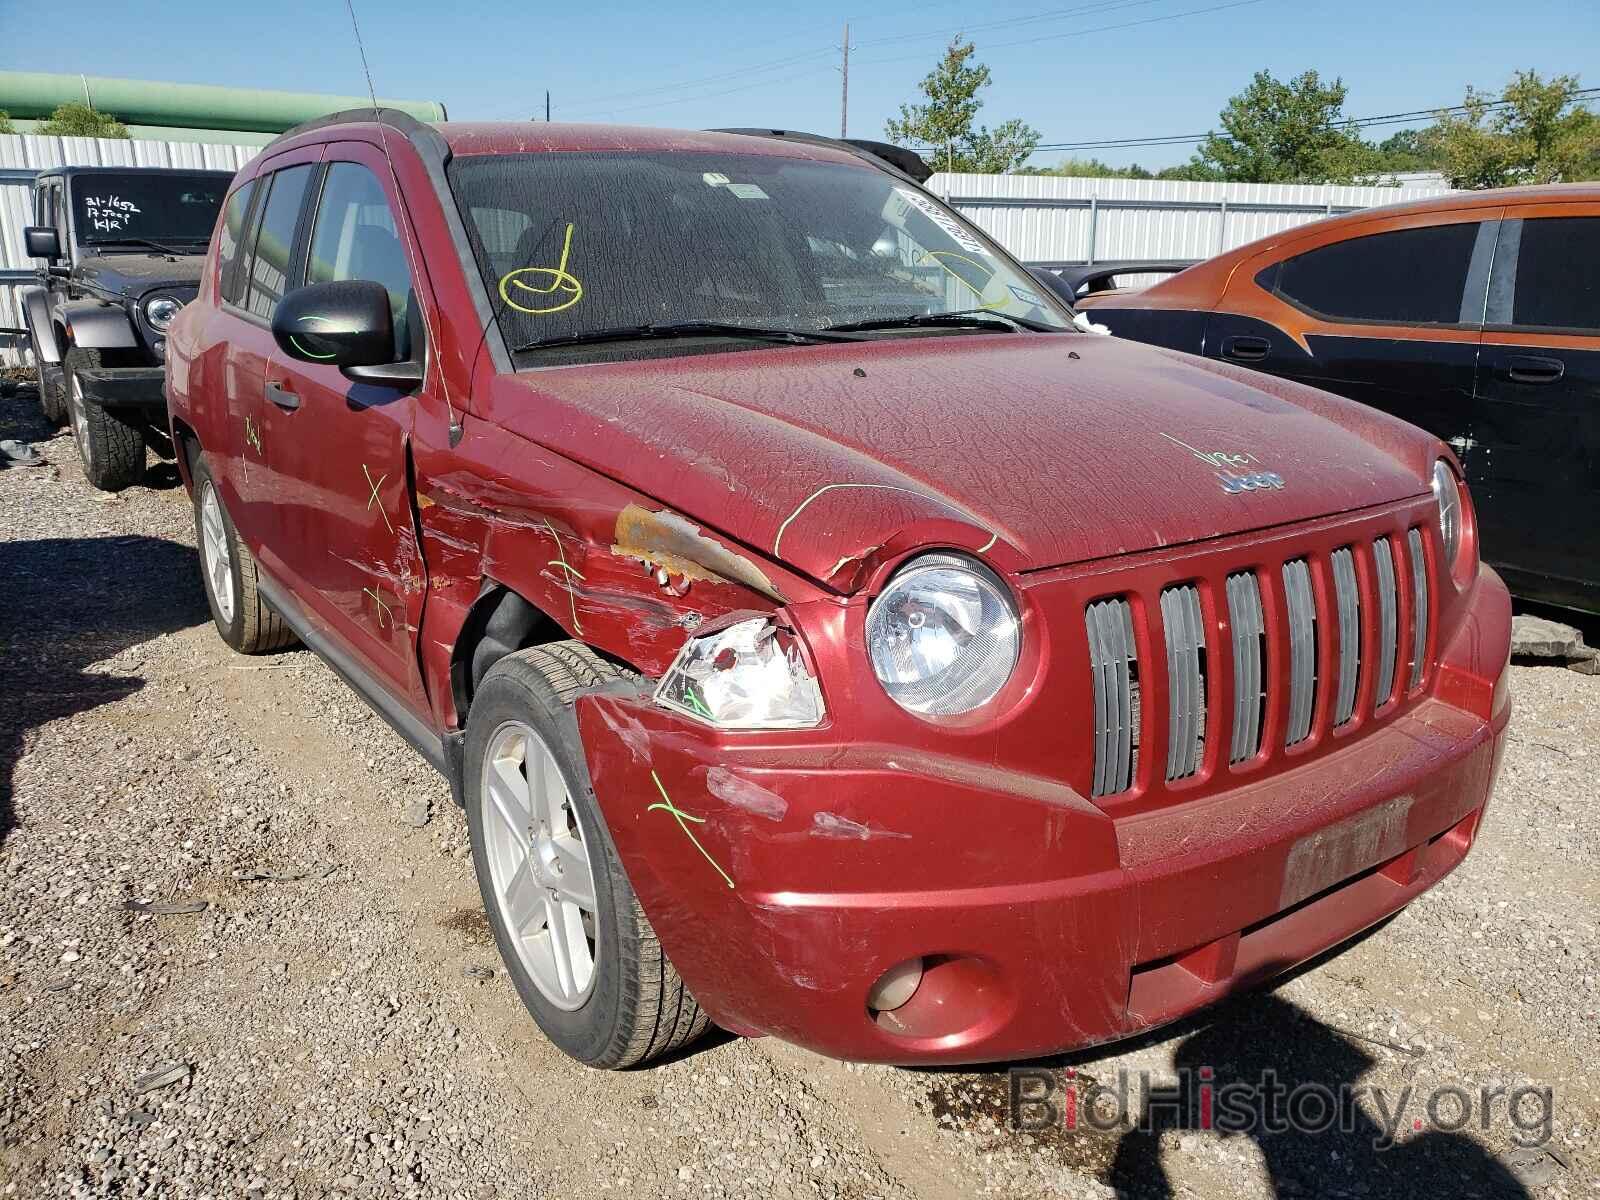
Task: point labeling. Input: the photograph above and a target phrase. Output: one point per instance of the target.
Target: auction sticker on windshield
(943, 220)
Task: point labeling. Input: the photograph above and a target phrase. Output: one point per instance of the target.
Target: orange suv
(1473, 315)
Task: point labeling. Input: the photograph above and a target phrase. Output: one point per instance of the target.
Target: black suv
(122, 248)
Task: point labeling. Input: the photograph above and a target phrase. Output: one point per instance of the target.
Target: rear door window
(229, 239)
(274, 244)
(1558, 274)
(1405, 277)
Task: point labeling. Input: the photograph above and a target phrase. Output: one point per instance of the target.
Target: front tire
(228, 570)
(571, 932)
(110, 448)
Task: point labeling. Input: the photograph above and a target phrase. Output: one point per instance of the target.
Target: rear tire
(110, 448)
(228, 571)
(631, 1006)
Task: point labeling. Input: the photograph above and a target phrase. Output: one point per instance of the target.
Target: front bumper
(786, 878)
(125, 387)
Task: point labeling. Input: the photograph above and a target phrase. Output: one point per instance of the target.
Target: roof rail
(401, 122)
(904, 162)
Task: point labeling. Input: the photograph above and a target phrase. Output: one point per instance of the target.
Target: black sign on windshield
(160, 208)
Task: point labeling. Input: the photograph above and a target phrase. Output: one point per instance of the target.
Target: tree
(1535, 132)
(945, 121)
(1278, 132)
(5, 122)
(80, 120)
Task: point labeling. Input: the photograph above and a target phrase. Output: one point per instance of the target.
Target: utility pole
(547, 106)
(844, 95)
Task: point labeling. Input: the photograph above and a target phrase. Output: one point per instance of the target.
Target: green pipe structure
(35, 94)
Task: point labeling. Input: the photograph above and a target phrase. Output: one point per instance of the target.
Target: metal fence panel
(1046, 218)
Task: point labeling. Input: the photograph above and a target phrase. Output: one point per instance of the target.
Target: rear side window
(269, 265)
(1407, 277)
(230, 280)
(1558, 274)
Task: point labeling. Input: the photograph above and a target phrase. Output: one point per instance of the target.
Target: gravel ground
(241, 953)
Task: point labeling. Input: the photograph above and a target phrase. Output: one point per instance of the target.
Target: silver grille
(1302, 649)
(1348, 598)
(1186, 681)
(1388, 628)
(1419, 605)
(1113, 660)
(1249, 698)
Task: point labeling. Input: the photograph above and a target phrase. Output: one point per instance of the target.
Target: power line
(1395, 118)
(1053, 15)
(709, 95)
(829, 51)
(1077, 33)
(719, 78)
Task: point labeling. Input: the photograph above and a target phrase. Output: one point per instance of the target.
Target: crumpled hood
(1039, 450)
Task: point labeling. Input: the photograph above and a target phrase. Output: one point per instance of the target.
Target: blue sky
(697, 65)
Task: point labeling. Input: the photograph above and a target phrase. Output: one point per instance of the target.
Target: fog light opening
(895, 986)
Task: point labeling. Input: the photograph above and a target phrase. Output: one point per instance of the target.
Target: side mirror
(348, 325)
(41, 241)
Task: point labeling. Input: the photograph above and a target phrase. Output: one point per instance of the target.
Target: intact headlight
(943, 636)
(1447, 494)
(742, 677)
(160, 311)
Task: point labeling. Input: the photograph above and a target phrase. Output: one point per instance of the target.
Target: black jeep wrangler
(123, 249)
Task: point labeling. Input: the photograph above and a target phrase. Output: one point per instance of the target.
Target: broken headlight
(943, 636)
(742, 677)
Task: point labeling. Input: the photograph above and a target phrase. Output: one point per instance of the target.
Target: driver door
(343, 527)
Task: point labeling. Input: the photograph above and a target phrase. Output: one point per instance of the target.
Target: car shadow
(1265, 1049)
(70, 604)
(1289, 1074)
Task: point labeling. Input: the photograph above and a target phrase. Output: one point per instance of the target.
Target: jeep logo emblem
(1227, 464)
(1260, 481)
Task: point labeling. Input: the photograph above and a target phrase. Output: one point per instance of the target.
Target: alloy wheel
(539, 863)
(214, 549)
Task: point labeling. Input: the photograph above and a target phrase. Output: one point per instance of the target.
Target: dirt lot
(336, 1024)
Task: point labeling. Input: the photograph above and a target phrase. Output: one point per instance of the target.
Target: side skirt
(444, 754)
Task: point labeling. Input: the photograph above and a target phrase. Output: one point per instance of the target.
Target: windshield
(572, 243)
(157, 208)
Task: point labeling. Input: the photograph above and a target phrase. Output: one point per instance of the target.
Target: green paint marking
(680, 817)
(698, 705)
(310, 353)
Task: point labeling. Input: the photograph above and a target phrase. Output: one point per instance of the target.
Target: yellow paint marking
(374, 497)
(680, 817)
(561, 281)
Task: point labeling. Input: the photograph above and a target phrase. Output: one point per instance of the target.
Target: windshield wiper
(147, 242)
(689, 329)
(966, 318)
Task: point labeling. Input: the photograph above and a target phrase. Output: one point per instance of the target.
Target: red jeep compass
(824, 638)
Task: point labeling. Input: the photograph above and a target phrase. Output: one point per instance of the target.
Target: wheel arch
(500, 622)
(92, 325)
(48, 334)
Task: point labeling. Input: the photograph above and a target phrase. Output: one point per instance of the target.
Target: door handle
(1245, 348)
(282, 397)
(1530, 368)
